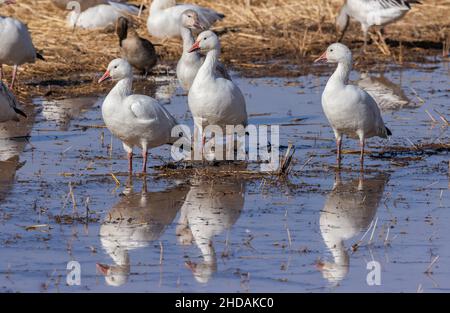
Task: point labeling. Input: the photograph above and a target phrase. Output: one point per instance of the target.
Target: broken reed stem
(428, 270)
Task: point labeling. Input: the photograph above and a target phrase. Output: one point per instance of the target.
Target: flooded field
(316, 231)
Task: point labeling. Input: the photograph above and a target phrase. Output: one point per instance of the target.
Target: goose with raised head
(16, 46)
(137, 120)
(139, 52)
(371, 13)
(137, 220)
(350, 110)
(190, 63)
(214, 100)
(91, 14)
(9, 106)
(349, 210)
(165, 15)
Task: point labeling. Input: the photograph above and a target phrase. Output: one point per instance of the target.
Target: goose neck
(123, 88)
(340, 75)
(188, 39)
(209, 66)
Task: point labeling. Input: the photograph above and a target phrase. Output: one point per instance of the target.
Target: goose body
(100, 16)
(372, 13)
(350, 110)
(137, 120)
(16, 46)
(165, 15)
(9, 107)
(214, 100)
(139, 52)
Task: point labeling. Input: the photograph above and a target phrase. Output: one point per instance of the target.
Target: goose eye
(331, 50)
(115, 66)
(205, 38)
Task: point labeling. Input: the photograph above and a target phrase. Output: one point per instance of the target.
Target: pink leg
(144, 165)
(203, 146)
(14, 76)
(130, 163)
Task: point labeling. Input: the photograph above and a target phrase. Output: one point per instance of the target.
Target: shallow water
(315, 232)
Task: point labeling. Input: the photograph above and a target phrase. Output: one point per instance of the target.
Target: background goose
(16, 46)
(190, 63)
(164, 19)
(371, 13)
(9, 107)
(350, 110)
(139, 52)
(95, 13)
(349, 210)
(133, 223)
(136, 120)
(214, 100)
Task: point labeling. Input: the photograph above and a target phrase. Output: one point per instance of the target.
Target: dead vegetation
(259, 38)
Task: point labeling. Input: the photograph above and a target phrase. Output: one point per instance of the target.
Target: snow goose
(139, 52)
(190, 63)
(136, 120)
(371, 13)
(164, 19)
(90, 14)
(350, 110)
(16, 46)
(350, 208)
(214, 100)
(137, 220)
(211, 208)
(9, 107)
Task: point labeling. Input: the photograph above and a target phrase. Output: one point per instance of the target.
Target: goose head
(206, 41)
(118, 69)
(336, 53)
(190, 19)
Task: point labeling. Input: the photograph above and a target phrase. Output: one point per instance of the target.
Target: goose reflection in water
(211, 208)
(65, 110)
(349, 210)
(133, 223)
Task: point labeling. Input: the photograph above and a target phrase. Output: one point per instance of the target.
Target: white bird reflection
(63, 111)
(211, 208)
(349, 209)
(388, 95)
(13, 140)
(133, 223)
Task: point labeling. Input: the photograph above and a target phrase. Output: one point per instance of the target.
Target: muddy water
(316, 232)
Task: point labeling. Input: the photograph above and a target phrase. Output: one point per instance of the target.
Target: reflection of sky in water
(220, 231)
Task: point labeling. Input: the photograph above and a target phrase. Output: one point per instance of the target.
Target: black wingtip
(20, 112)
(388, 131)
(39, 56)
(221, 16)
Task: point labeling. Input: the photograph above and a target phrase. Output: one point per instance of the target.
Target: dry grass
(259, 37)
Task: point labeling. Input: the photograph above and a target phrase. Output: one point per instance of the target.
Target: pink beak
(195, 47)
(105, 76)
(102, 268)
(323, 57)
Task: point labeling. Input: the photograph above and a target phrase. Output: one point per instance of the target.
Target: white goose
(349, 209)
(16, 46)
(90, 14)
(9, 107)
(350, 110)
(214, 100)
(164, 19)
(371, 13)
(137, 120)
(190, 63)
